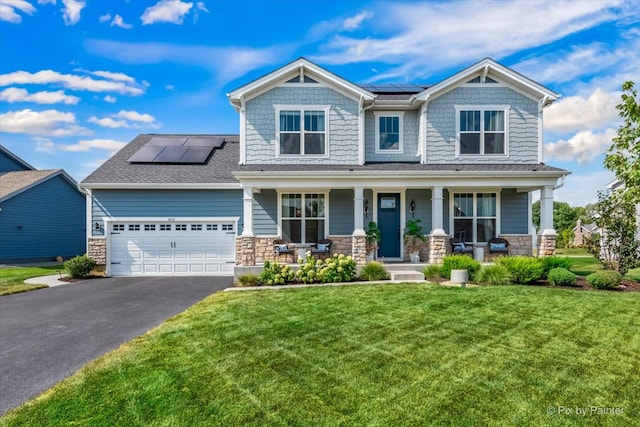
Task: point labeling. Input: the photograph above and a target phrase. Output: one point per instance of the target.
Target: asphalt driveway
(48, 334)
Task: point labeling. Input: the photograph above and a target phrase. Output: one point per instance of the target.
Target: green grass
(12, 278)
(583, 263)
(366, 355)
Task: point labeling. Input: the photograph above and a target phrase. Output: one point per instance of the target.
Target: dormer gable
(490, 72)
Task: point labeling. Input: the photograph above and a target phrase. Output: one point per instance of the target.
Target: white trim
(400, 116)
(482, 108)
(302, 109)
(161, 186)
(281, 191)
(422, 131)
(243, 132)
(475, 192)
(361, 133)
(88, 203)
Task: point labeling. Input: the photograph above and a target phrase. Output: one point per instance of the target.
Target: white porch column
(358, 209)
(437, 208)
(546, 211)
(247, 211)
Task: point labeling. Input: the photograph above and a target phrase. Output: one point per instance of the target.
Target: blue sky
(79, 79)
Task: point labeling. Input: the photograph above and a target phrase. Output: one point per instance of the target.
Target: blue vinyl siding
(166, 204)
(265, 213)
(514, 212)
(409, 139)
(43, 222)
(7, 164)
(341, 212)
(422, 199)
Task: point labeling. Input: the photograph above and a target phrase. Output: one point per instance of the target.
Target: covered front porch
(304, 210)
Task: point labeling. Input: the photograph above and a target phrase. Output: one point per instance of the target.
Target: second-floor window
(302, 131)
(482, 131)
(388, 132)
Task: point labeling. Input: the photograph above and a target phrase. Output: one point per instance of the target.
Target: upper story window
(481, 130)
(302, 131)
(388, 132)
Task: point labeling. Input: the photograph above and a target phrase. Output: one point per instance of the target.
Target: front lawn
(12, 278)
(368, 355)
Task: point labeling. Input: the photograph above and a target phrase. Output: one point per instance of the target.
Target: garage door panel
(165, 248)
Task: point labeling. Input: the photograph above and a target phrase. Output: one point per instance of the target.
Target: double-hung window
(475, 216)
(302, 131)
(303, 217)
(482, 130)
(388, 132)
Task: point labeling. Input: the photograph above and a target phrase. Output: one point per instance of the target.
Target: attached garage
(171, 248)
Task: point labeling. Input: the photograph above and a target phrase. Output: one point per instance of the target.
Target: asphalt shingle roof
(14, 182)
(224, 162)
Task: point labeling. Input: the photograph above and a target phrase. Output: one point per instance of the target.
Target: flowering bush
(339, 268)
(275, 273)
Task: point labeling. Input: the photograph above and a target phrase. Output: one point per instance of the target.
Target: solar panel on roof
(146, 154)
(196, 155)
(165, 142)
(178, 150)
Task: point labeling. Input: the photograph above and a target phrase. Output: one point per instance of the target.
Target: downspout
(361, 144)
(541, 105)
(561, 183)
(243, 146)
(423, 126)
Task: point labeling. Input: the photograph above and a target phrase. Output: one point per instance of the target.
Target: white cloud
(71, 81)
(110, 145)
(104, 18)
(44, 145)
(201, 6)
(123, 119)
(51, 123)
(46, 1)
(71, 11)
(8, 10)
(583, 147)
(227, 62)
(110, 99)
(576, 113)
(582, 189)
(354, 22)
(430, 36)
(169, 87)
(14, 94)
(172, 11)
(119, 22)
(109, 75)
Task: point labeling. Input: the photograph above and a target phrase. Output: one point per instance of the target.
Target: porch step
(405, 275)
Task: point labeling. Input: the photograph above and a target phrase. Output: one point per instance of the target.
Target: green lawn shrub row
(605, 279)
(80, 267)
(561, 277)
(374, 271)
(459, 262)
(524, 270)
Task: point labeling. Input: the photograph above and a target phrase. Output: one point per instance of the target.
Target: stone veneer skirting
(97, 249)
(546, 245)
(257, 250)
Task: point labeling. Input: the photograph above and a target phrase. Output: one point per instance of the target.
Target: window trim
(482, 109)
(302, 108)
(325, 194)
(475, 217)
(377, 115)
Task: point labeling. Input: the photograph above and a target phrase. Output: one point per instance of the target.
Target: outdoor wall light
(96, 226)
(366, 208)
(412, 208)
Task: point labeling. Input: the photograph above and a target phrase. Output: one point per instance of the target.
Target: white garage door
(172, 248)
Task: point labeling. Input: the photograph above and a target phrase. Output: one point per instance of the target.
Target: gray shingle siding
(265, 213)
(514, 212)
(166, 204)
(409, 139)
(341, 212)
(422, 199)
(523, 124)
(260, 116)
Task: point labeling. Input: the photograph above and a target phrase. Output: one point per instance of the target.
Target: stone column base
(247, 255)
(97, 249)
(359, 249)
(437, 249)
(546, 245)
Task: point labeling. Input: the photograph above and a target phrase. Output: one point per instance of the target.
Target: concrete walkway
(51, 281)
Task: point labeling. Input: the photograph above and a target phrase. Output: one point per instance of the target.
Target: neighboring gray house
(42, 213)
(320, 157)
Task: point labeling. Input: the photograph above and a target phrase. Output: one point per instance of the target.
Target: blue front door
(389, 224)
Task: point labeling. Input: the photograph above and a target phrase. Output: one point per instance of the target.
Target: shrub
(275, 273)
(374, 271)
(432, 272)
(524, 270)
(494, 275)
(605, 279)
(459, 262)
(561, 277)
(549, 263)
(339, 268)
(80, 267)
(248, 280)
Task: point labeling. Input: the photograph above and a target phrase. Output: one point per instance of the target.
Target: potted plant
(412, 237)
(372, 238)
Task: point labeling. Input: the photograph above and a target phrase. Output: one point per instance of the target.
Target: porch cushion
(322, 247)
(497, 247)
(282, 248)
